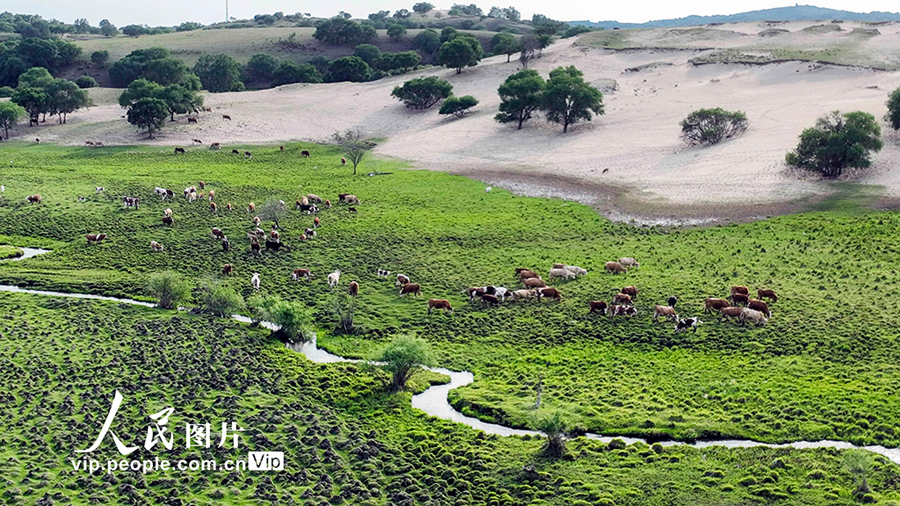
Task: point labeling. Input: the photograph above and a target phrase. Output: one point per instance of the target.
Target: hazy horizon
(174, 12)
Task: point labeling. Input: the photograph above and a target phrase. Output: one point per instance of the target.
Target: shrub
(348, 68)
(86, 82)
(367, 53)
(100, 58)
(893, 109)
(428, 41)
(404, 357)
(261, 66)
(338, 30)
(320, 62)
(422, 92)
(6, 91)
(292, 317)
(340, 307)
(221, 300)
(711, 126)
(169, 289)
(396, 32)
(556, 427)
(289, 73)
(458, 106)
(838, 141)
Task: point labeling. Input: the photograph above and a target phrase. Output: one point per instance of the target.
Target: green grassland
(346, 440)
(824, 367)
(9, 252)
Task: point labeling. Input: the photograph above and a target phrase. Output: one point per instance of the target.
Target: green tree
(405, 60)
(396, 32)
(422, 7)
(458, 106)
(401, 14)
(379, 16)
(404, 357)
(166, 71)
(294, 319)
(505, 43)
(262, 66)
(108, 29)
(35, 77)
(321, 63)
(422, 92)
(521, 96)
(35, 101)
(86, 82)
(556, 428)
(428, 41)
(149, 113)
(138, 89)
(568, 99)
(66, 97)
(838, 141)
(368, 53)
(341, 307)
(10, 113)
(219, 299)
(219, 73)
(135, 30)
(348, 68)
(462, 51)
(6, 91)
(338, 30)
(353, 146)
(289, 73)
(169, 289)
(126, 70)
(512, 14)
(38, 52)
(180, 100)
(893, 109)
(711, 126)
(447, 33)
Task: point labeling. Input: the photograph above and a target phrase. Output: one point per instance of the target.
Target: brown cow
(327, 204)
(227, 269)
(229, 206)
(282, 148)
(615, 267)
(664, 311)
(352, 209)
(254, 247)
(739, 298)
(730, 312)
(343, 161)
(213, 207)
(300, 273)
(760, 306)
(549, 292)
(401, 280)
(218, 233)
(251, 207)
(740, 289)
(525, 273)
(192, 120)
(97, 238)
(598, 306)
(411, 288)
(168, 220)
(489, 299)
(630, 291)
(623, 299)
(713, 304)
(534, 283)
(35, 199)
(316, 222)
(439, 304)
(353, 290)
(769, 294)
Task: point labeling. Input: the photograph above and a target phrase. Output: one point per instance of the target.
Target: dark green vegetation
(712, 126)
(566, 98)
(837, 142)
(824, 366)
(458, 106)
(346, 438)
(422, 92)
(893, 109)
(9, 252)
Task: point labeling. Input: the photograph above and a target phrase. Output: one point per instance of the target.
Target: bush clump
(422, 92)
(86, 82)
(458, 106)
(712, 126)
(169, 289)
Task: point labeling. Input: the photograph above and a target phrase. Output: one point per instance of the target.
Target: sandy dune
(637, 139)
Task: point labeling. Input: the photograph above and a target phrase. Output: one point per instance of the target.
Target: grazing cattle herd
(737, 306)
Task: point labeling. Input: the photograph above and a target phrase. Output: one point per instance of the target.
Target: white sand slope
(637, 139)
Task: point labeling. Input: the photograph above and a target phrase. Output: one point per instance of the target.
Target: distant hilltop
(795, 13)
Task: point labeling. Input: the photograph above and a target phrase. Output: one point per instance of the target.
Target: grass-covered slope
(824, 367)
(346, 440)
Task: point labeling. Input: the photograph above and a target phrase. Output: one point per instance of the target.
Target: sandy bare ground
(637, 140)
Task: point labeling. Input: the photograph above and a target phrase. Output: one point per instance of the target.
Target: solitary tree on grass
(555, 426)
(353, 146)
(404, 357)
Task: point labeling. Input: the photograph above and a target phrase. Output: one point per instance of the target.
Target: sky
(173, 12)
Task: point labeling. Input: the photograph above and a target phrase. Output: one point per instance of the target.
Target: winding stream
(433, 401)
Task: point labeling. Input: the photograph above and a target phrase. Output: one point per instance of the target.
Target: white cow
(334, 278)
(254, 281)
